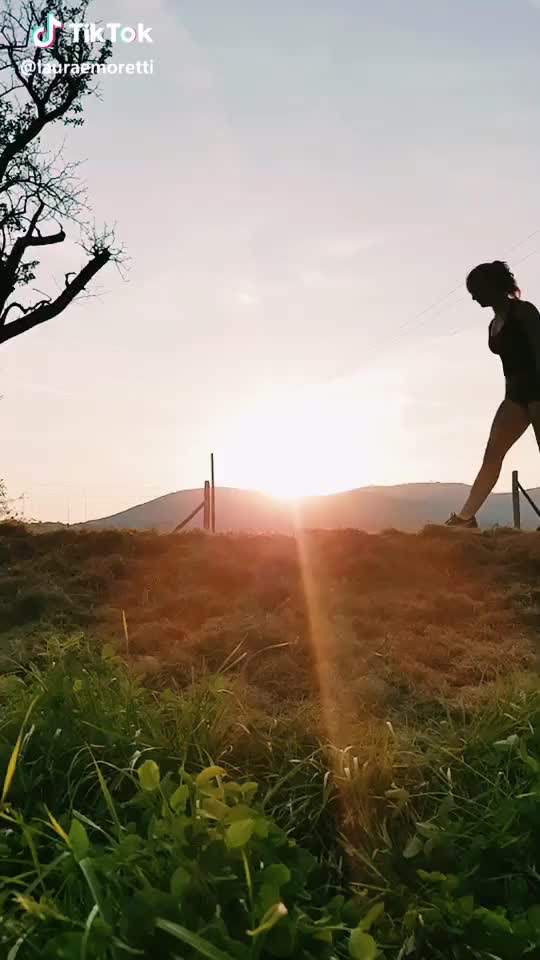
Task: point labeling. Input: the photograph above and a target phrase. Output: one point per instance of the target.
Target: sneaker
(455, 521)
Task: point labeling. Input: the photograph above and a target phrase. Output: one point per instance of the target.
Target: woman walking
(514, 334)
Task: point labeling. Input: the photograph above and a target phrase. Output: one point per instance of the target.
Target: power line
(412, 324)
(518, 263)
(407, 324)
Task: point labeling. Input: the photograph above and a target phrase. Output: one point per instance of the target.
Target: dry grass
(426, 618)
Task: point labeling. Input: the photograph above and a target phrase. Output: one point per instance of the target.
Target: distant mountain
(406, 507)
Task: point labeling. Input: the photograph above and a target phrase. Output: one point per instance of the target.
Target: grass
(197, 780)
(427, 616)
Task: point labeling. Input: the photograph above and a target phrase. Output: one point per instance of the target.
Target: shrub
(39, 602)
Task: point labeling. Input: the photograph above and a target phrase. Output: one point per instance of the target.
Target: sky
(301, 188)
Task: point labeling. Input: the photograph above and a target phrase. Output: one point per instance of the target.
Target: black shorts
(523, 390)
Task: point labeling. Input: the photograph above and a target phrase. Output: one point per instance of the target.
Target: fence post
(191, 517)
(515, 500)
(207, 505)
(213, 506)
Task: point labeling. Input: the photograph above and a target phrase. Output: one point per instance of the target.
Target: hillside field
(266, 746)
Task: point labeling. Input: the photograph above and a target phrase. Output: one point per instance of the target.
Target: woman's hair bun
(497, 275)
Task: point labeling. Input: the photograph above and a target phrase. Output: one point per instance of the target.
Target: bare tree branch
(24, 310)
(39, 192)
(56, 307)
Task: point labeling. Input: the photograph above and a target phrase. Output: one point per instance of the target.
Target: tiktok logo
(44, 37)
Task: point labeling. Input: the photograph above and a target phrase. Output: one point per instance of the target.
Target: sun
(311, 441)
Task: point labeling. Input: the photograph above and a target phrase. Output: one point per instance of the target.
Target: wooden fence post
(213, 504)
(207, 505)
(192, 515)
(515, 500)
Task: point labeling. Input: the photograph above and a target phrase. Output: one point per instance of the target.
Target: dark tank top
(518, 342)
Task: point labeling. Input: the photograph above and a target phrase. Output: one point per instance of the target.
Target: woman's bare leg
(534, 415)
(510, 423)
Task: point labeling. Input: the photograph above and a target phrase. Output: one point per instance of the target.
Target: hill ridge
(408, 507)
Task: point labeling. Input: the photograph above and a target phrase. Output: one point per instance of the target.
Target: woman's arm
(529, 318)
(491, 339)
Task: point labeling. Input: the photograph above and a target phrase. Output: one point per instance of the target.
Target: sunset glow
(315, 441)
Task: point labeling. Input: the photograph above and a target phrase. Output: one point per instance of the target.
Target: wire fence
(207, 507)
(518, 489)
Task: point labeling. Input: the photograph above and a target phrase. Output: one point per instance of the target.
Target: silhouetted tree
(39, 193)
(4, 505)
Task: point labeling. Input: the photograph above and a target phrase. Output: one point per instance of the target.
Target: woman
(514, 334)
